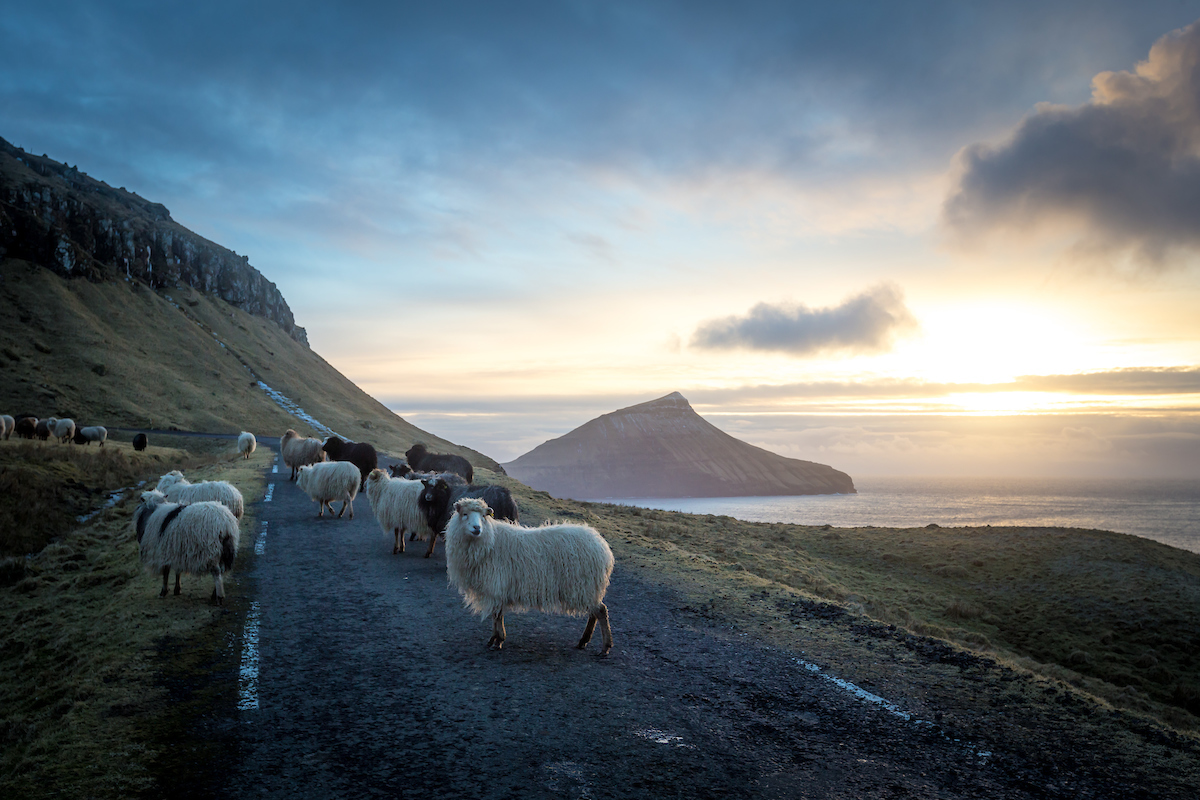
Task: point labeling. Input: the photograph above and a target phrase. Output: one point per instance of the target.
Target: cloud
(1121, 172)
(867, 322)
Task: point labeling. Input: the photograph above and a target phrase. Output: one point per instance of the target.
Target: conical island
(663, 448)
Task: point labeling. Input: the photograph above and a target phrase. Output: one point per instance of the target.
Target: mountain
(663, 448)
(190, 338)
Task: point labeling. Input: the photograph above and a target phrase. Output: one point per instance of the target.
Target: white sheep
(496, 565)
(329, 482)
(63, 430)
(179, 489)
(196, 538)
(8, 424)
(298, 451)
(394, 503)
(246, 443)
(94, 433)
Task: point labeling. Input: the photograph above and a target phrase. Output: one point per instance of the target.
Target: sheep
(298, 452)
(195, 538)
(394, 504)
(438, 497)
(92, 433)
(140, 442)
(7, 425)
(563, 568)
(328, 482)
(360, 454)
(246, 443)
(64, 430)
(26, 427)
(179, 489)
(422, 460)
(44, 428)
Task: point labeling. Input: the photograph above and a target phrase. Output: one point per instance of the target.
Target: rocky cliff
(58, 217)
(663, 448)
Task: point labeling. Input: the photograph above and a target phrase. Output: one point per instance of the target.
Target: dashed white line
(248, 675)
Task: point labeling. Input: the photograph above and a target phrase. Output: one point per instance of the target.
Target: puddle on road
(663, 737)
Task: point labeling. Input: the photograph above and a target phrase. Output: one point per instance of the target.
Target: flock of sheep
(27, 426)
(496, 564)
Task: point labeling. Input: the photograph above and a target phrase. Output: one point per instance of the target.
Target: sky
(929, 238)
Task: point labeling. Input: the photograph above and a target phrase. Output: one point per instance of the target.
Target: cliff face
(663, 448)
(58, 217)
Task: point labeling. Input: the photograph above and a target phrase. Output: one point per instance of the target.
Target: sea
(1166, 511)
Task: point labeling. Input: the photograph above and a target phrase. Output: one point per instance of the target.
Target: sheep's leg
(605, 630)
(178, 591)
(343, 511)
(412, 537)
(321, 513)
(587, 632)
(165, 571)
(399, 546)
(497, 640)
(432, 542)
(218, 595)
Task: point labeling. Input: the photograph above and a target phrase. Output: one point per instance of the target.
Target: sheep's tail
(228, 551)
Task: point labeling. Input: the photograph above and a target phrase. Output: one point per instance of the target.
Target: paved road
(374, 681)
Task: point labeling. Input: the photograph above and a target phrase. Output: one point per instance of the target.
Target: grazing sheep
(439, 496)
(196, 538)
(7, 425)
(360, 454)
(140, 442)
(64, 430)
(92, 433)
(562, 568)
(27, 427)
(298, 452)
(179, 489)
(394, 504)
(44, 428)
(246, 443)
(422, 460)
(328, 482)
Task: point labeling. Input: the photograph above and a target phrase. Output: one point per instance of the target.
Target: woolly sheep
(7, 425)
(64, 430)
(45, 428)
(329, 482)
(140, 442)
(421, 460)
(246, 443)
(195, 538)
(179, 489)
(298, 452)
(92, 433)
(26, 427)
(360, 454)
(394, 504)
(562, 568)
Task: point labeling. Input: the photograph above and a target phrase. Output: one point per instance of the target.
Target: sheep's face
(473, 512)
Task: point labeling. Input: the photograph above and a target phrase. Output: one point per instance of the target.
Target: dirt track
(373, 681)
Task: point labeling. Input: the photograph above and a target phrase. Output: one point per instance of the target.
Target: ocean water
(1166, 511)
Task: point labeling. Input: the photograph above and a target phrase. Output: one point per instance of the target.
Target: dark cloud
(867, 322)
(1124, 166)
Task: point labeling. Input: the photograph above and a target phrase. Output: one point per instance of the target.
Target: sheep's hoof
(604, 652)
(163, 593)
(178, 591)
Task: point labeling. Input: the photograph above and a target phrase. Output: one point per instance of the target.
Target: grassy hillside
(123, 355)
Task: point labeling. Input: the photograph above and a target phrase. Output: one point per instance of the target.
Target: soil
(373, 680)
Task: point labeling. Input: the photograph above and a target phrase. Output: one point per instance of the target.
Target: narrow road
(372, 680)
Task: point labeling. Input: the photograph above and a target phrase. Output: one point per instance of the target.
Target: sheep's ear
(491, 513)
(458, 506)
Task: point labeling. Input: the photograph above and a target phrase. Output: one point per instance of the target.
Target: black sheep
(42, 431)
(437, 500)
(140, 441)
(26, 427)
(421, 460)
(360, 454)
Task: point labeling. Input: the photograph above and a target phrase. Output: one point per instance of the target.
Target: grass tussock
(83, 709)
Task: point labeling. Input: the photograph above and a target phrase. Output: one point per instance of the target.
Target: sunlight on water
(1166, 511)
